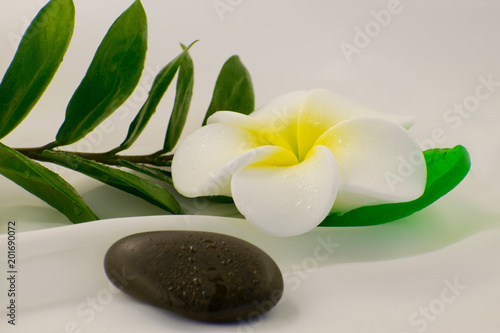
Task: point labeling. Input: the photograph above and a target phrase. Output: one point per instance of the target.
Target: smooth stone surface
(201, 275)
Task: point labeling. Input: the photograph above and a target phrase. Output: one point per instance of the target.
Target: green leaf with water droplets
(111, 78)
(45, 184)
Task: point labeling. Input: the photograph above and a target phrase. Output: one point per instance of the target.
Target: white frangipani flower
(291, 162)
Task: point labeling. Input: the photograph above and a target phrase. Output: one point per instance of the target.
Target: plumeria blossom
(290, 163)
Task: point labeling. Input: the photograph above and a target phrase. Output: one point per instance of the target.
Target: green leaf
(122, 180)
(233, 90)
(445, 169)
(37, 59)
(111, 78)
(156, 173)
(160, 86)
(45, 184)
(183, 94)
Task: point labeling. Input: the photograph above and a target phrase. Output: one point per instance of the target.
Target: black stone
(201, 275)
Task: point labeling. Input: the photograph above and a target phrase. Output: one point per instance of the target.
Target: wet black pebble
(201, 275)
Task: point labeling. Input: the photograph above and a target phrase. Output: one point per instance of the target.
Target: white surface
(350, 280)
(431, 56)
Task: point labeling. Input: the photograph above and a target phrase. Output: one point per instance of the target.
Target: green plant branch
(104, 158)
(99, 94)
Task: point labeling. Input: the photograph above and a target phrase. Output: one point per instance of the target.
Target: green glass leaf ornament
(160, 85)
(38, 56)
(125, 181)
(183, 94)
(45, 184)
(233, 90)
(111, 78)
(446, 168)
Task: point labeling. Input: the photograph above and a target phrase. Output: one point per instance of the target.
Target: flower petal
(379, 163)
(235, 119)
(267, 156)
(287, 201)
(264, 133)
(280, 116)
(323, 109)
(204, 153)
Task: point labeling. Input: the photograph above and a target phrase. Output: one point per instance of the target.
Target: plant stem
(105, 158)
